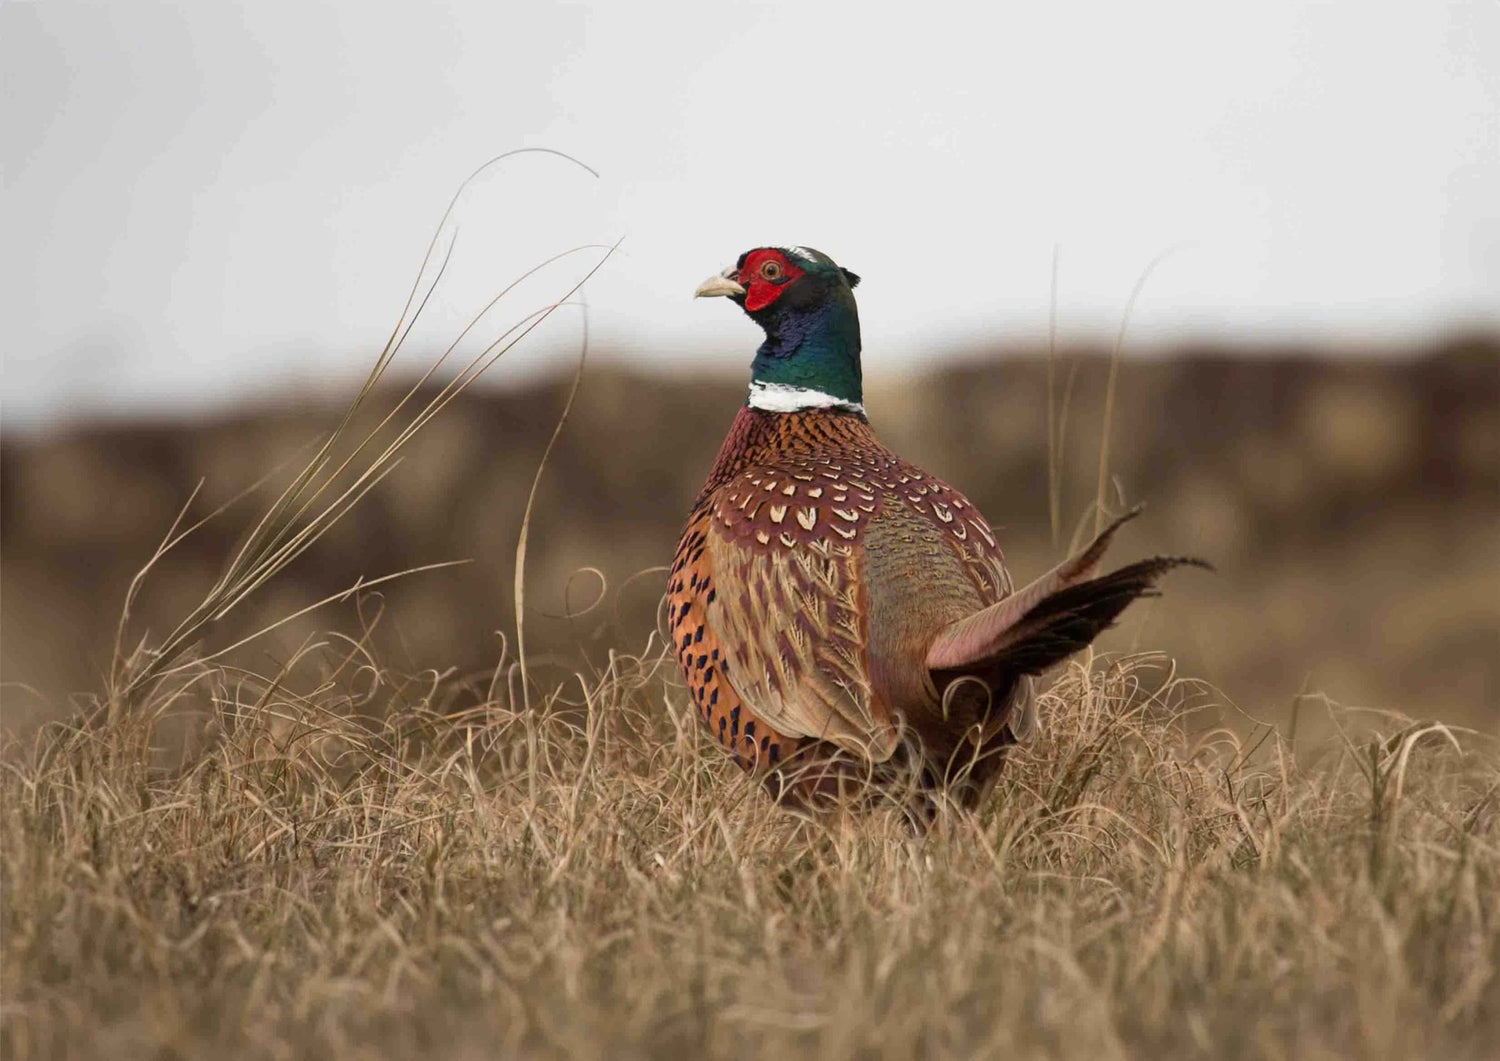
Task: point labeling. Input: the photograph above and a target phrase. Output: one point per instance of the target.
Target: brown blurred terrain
(1350, 505)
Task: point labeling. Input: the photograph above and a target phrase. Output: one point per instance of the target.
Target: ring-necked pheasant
(842, 616)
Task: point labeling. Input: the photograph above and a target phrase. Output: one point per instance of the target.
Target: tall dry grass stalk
(344, 468)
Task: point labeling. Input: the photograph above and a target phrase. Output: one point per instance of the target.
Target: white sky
(202, 200)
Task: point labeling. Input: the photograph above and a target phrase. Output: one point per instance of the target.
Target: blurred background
(213, 214)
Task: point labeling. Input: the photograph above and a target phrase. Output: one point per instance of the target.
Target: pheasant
(845, 620)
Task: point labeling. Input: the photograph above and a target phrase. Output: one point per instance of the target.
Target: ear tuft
(853, 278)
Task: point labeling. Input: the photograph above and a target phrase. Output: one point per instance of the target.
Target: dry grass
(340, 860)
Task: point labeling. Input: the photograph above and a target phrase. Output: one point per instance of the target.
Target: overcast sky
(204, 200)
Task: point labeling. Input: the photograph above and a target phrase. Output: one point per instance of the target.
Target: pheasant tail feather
(1053, 617)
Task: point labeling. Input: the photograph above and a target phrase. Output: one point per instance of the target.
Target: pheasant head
(804, 301)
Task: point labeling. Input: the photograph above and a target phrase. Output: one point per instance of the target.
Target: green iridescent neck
(815, 348)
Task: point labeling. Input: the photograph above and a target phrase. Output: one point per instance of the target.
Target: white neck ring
(785, 398)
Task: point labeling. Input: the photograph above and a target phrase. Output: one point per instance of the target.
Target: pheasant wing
(791, 613)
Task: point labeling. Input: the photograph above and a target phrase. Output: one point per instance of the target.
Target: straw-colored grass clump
(334, 858)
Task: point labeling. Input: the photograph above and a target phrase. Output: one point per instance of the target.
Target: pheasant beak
(720, 284)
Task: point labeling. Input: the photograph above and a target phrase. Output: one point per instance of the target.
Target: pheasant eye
(771, 271)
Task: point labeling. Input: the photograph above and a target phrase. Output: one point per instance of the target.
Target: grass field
(337, 859)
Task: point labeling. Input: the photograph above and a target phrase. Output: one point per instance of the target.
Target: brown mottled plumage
(842, 616)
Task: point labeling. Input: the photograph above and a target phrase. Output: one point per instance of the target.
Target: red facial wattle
(760, 294)
(760, 289)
